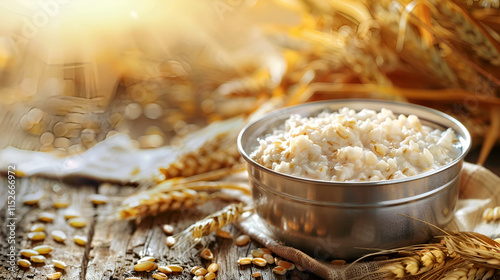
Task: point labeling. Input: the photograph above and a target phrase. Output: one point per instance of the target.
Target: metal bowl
(341, 219)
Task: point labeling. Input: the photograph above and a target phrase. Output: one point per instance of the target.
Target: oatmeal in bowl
(333, 177)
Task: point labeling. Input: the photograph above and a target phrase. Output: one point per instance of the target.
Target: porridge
(356, 146)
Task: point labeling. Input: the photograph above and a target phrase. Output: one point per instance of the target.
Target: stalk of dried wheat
(194, 233)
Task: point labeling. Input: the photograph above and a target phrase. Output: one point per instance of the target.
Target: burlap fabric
(479, 189)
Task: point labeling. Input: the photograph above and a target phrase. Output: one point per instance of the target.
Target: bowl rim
(466, 145)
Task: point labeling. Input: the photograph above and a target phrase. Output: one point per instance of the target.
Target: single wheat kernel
(265, 250)
(37, 227)
(58, 235)
(279, 270)
(98, 199)
(144, 266)
(242, 240)
(146, 259)
(201, 272)
(54, 276)
(36, 235)
(210, 276)
(38, 259)
(23, 263)
(198, 278)
(269, 258)
(33, 198)
(77, 222)
(287, 265)
(133, 278)
(168, 229)
(175, 268)
(207, 254)
(194, 269)
(155, 266)
(164, 269)
(59, 264)
(170, 240)
(277, 260)
(61, 203)
(259, 262)
(71, 213)
(256, 275)
(244, 261)
(257, 253)
(338, 262)
(213, 267)
(160, 276)
(43, 249)
(46, 217)
(80, 240)
(224, 234)
(28, 252)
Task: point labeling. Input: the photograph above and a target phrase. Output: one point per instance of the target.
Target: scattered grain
(259, 262)
(207, 254)
(194, 269)
(210, 276)
(256, 275)
(37, 227)
(279, 270)
(59, 264)
(77, 222)
(28, 252)
(198, 278)
(175, 268)
(201, 272)
(242, 240)
(38, 259)
(257, 253)
(146, 259)
(285, 264)
(144, 266)
(164, 269)
(170, 240)
(269, 258)
(98, 199)
(23, 263)
(58, 235)
(244, 261)
(133, 278)
(36, 235)
(60, 203)
(33, 198)
(213, 267)
(71, 213)
(55, 275)
(160, 276)
(43, 249)
(80, 240)
(168, 229)
(47, 217)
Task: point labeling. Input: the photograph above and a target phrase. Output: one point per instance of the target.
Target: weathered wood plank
(69, 252)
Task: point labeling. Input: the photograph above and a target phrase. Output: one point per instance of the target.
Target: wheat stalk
(213, 222)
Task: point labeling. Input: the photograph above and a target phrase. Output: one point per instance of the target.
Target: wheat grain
(207, 254)
(210, 276)
(242, 240)
(37, 227)
(47, 217)
(279, 270)
(43, 249)
(165, 269)
(38, 259)
(213, 267)
(36, 235)
(201, 272)
(28, 253)
(160, 276)
(144, 266)
(24, 263)
(53, 276)
(59, 264)
(58, 236)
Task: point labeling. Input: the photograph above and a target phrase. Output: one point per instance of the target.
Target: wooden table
(114, 246)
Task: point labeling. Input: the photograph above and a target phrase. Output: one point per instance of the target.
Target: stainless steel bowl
(340, 219)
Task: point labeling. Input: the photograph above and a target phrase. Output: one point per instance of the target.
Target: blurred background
(73, 73)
